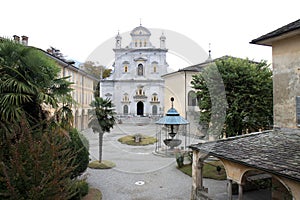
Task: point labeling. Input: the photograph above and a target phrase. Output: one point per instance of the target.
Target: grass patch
(94, 194)
(130, 140)
(209, 170)
(105, 164)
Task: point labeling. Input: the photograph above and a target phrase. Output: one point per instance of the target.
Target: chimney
(16, 38)
(24, 40)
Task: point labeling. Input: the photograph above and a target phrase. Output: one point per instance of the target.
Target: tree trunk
(100, 146)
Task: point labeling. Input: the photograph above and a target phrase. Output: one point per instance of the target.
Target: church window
(154, 67)
(125, 98)
(140, 91)
(140, 43)
(145, 43)
(140, 71)
(192, 98)
(154, 98)
(136, 43)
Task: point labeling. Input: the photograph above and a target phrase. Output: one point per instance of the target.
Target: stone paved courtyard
(139, 174)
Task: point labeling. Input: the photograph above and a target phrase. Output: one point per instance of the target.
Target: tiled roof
(275, 152)
(199, 67)
(285, 29)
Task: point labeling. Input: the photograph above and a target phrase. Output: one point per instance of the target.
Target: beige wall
(83, 94)
(286, 72)
(175, 87)
(178, 85)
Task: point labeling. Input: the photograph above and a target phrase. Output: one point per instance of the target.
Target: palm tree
(102, 119)
(28, 84)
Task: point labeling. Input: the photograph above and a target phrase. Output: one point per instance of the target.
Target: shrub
(36, 165)
(81, 188)
(144, 140)
(81, 152)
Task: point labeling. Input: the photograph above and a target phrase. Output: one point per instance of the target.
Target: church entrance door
(140, 108)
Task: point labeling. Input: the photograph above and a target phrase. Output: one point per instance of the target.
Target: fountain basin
(172, 142)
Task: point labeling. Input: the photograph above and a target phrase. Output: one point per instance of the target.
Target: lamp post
(172, 122)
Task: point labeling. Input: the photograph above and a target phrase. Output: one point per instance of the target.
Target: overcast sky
(78, 27)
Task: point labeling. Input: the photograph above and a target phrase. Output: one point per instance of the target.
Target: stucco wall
(286, 71)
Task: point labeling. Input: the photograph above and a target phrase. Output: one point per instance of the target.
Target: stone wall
(286, 72)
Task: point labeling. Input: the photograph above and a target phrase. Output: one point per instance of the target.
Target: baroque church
(136, 87)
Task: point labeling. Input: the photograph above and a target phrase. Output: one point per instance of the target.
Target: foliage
(96, 70)
(104, 164)
(28, 84)
(35, 164)
(102, 116)
(179, 160)
(81, 188)
(81, 160)
(130, 140)
(94, 194)
(209, 170)
(248, 87)
(102, 119)
(38, 158)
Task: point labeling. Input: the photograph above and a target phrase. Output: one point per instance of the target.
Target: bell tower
(162, 41)
(118, 41)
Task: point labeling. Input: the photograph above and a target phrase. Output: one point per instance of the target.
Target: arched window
(125, 97)
(125, 110)
(145, 43)
(192, 98)
(125, 66)
(154, 97)
(141, 43)
(140, 71)
(154, 66)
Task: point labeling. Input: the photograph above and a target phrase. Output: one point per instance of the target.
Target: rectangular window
(298, 110)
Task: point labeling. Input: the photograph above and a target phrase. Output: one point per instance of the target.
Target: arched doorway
(140, 108)
(269, 186)
(125, 110)
(192, 98)
(154, 110)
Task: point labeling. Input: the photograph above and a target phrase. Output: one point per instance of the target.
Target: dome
(140, 31)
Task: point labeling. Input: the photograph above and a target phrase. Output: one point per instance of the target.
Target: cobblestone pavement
(139, 174)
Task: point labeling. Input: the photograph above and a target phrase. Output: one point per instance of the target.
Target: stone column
(197, 173)
(229, 189)
(240, 191)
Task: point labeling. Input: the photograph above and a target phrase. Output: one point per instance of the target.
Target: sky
(78, 27)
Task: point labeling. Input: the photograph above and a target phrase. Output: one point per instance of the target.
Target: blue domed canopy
(172, 118)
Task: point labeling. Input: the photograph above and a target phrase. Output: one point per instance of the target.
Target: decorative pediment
(140, 59)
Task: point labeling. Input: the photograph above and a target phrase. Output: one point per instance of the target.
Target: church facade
(136, 87)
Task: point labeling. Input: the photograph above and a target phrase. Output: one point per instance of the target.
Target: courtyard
(139, 173)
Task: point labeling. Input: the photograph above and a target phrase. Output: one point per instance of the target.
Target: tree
(96, 70)
(39, 159)
(102, 119)
(36, 165)
(249, 98)
(29, 84)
